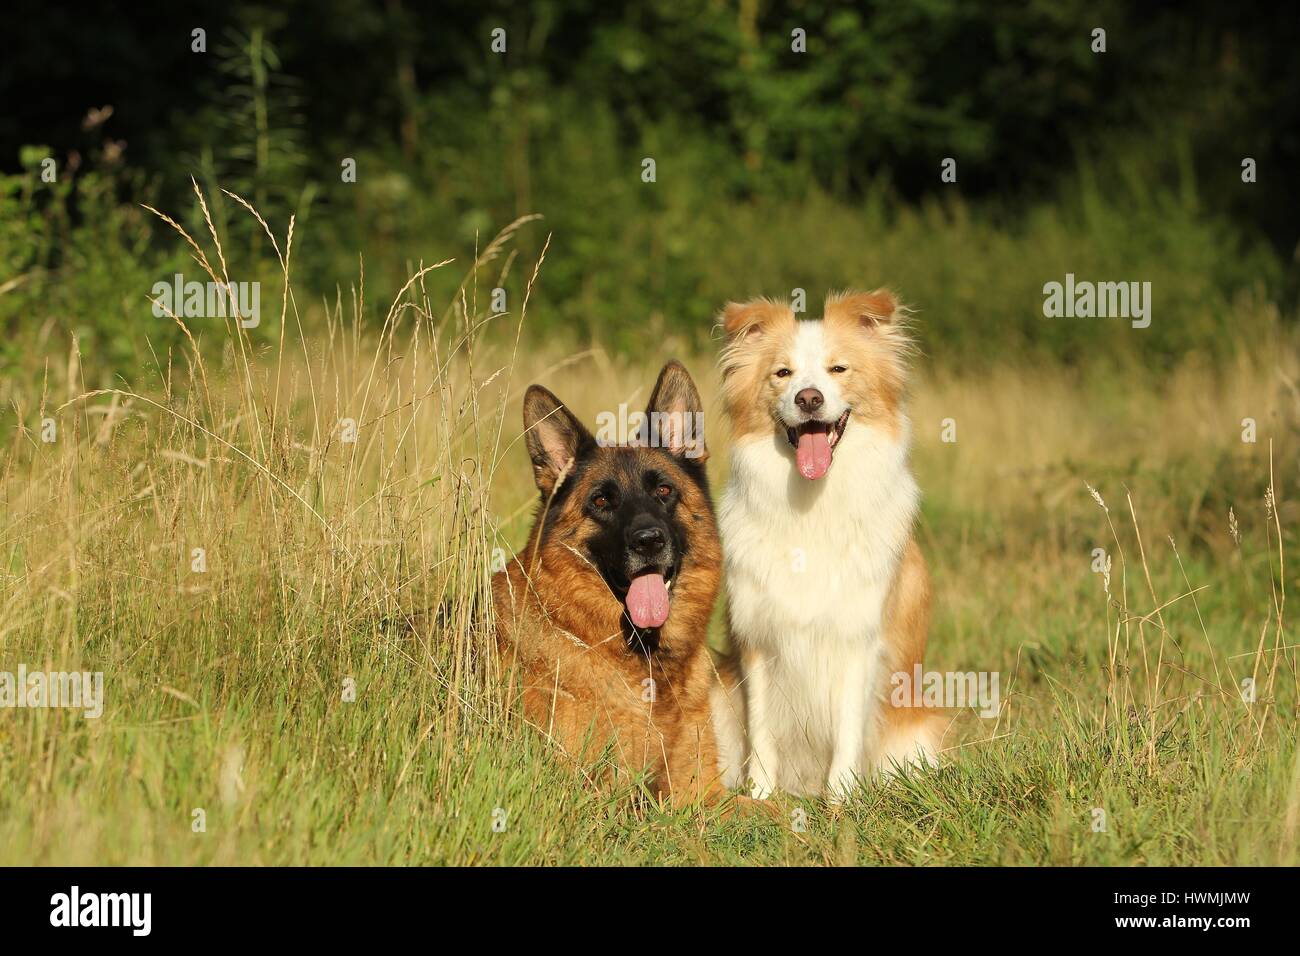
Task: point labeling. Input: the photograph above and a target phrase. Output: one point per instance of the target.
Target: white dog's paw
(761, 786)
(840, 785)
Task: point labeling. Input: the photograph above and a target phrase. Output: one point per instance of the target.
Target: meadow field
(278, 553)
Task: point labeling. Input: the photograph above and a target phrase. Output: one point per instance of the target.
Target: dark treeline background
(775, 169)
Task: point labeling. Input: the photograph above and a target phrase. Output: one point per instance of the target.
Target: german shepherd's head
(628, 528)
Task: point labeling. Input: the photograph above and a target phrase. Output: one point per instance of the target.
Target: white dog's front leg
(762, 740)
(850, 729)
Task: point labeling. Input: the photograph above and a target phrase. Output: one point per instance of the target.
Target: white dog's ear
(742, 319)
(674, 418)
(869, 309)
(556, 440)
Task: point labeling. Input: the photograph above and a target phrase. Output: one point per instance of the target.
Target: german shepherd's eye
(782, 373)
(600, 501)
(664, 492)
(837, 369)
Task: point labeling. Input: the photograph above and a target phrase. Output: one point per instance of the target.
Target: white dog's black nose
(809, 400)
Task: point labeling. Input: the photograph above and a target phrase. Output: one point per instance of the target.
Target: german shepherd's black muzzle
(640, 553)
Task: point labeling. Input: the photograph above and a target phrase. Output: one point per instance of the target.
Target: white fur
(808, 569)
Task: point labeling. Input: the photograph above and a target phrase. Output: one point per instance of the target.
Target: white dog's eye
(782, 373)
(837, 369)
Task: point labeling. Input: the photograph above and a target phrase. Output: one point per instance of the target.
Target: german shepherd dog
(601, 618)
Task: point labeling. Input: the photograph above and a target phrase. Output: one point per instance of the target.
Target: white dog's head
(810, 379)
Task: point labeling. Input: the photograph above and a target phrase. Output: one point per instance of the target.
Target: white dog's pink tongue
(813, 454)
(647, 600)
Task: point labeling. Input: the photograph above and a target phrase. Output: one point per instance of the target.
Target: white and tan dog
(827, 592)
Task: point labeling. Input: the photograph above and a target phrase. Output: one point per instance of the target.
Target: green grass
(329, 561)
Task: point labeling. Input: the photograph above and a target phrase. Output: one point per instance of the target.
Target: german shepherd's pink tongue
(813, 453)
(647, 600)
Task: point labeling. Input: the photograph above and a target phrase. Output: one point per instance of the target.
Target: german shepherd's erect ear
(674, 419)
(555, 439)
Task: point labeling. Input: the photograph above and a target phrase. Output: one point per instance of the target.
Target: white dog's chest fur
(809, 566)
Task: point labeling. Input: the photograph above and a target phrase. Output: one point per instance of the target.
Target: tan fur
(758, 332)
(865, 335)
(907, 625)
